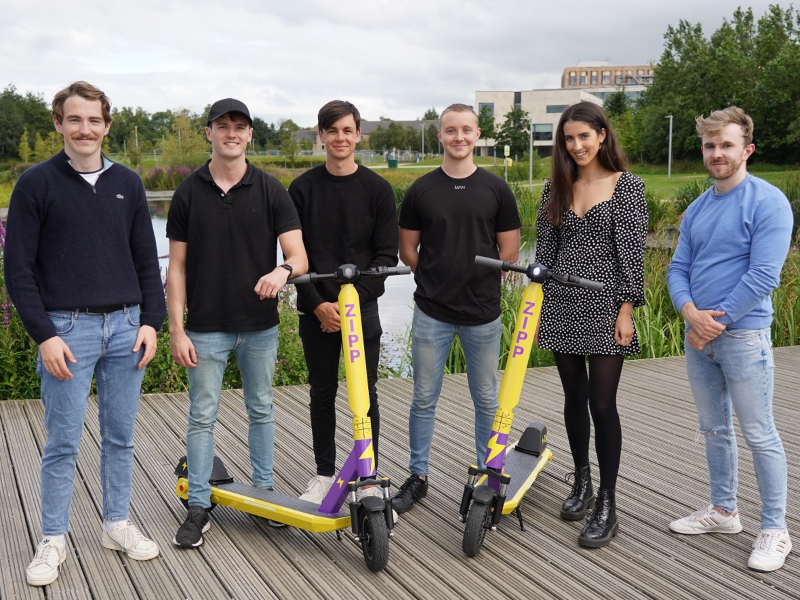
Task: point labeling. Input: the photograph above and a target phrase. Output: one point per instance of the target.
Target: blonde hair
(457, 107)
(719, 119)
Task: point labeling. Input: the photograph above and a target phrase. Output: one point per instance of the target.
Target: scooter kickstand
(339, 535)
(518, 512)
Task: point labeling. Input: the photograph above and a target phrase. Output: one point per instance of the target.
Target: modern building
(591, 81)
(544, 108)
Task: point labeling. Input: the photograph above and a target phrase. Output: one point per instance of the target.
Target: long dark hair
(564, 171)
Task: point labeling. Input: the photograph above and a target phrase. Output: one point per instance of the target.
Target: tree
(430, 114)
(617, 103)
(752, 64)
(290, 147)
(515, 132)
(486, 125)
(24, 147)
(186, 145)
(40, 152)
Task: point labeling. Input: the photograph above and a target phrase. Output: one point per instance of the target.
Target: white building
(544, 108)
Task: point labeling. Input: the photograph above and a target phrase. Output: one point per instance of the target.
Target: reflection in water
(395, 306)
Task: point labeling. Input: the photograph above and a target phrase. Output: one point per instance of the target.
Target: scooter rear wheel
(375, 541)
(479, 517)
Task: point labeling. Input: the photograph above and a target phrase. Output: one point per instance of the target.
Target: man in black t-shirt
(447, 218)
(224, 223)
(348, 215)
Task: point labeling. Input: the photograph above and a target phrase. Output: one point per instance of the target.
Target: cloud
(287, 59)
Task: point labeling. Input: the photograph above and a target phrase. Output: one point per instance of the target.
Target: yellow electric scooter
(498, 488)
(370, 519)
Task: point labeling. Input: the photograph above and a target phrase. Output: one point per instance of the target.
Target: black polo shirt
(231, 242)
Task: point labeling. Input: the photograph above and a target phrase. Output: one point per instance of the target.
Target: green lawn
(5, 194)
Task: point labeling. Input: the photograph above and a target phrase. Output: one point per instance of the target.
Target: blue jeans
(430, 344)
(255, 352)
(736, 371)
(102, 345)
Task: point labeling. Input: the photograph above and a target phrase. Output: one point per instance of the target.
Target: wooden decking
(663, 475)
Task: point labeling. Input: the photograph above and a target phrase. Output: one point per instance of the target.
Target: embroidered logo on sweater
(120, 196)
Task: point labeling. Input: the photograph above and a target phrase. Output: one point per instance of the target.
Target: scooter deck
(523, 469)
(272, 505)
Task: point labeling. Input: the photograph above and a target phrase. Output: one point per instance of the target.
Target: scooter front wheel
(479, 517)
(375, 541)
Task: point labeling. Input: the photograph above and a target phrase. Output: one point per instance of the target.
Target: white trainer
(317, 489)
(125, 537)
(770, 549)
(707, 520)
(44, 566)
(373, 490)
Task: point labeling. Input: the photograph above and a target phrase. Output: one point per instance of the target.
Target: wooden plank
(16, 545)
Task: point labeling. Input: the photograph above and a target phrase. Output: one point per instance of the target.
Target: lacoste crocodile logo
(120, 196)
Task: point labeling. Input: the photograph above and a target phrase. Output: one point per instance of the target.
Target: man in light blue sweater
(733, 243)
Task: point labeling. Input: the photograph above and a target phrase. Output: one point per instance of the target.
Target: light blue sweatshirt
(730, 253)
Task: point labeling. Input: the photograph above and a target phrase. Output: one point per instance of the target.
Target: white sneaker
(317, 489)
(373, 490)
(770, 550)
(125, 537)
(707, 520)
(44, 566)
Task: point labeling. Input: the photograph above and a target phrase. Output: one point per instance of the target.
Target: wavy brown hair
(564, 170)
(86, 91)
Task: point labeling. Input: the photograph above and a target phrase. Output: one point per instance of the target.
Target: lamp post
(669, 150)
(530, 157)
(422, 126)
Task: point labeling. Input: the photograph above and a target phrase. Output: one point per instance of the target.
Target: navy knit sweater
(70, 244)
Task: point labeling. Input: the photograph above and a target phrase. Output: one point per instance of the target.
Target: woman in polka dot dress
(592, 223)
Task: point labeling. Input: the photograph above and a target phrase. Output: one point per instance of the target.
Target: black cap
(223, 107)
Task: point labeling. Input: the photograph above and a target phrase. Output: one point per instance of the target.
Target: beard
(721, 172)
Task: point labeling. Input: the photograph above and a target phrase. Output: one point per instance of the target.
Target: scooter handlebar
(379, 272)
(540, 273)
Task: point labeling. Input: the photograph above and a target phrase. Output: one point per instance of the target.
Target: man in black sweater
(348, 215)
(82, 270)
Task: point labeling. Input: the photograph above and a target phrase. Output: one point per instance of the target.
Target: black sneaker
(190, 535)
(413, 489)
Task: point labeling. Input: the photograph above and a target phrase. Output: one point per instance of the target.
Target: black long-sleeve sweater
(70, 244)
(346, 219)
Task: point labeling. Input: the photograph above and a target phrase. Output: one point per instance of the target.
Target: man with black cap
(224, 223)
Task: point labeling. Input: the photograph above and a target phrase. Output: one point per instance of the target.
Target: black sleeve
(385, 241)
(307, 292)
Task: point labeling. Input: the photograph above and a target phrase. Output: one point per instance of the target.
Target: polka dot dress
(607, 245)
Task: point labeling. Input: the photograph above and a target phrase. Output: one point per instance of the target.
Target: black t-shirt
(457, 220)
(231, 242)
(350, 219)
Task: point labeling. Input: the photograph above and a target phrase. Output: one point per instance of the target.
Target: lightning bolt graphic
(494, 447)
(339, 482)
(369, 454)
(184, 465)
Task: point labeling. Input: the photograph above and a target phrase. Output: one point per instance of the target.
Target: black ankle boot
(581, 498)
(603, 525)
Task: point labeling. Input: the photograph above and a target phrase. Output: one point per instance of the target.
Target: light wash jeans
(102, 345)
(430, 344)
(736, 371)
(255, 352)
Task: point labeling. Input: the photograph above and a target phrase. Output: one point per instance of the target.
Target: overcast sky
(285, 59)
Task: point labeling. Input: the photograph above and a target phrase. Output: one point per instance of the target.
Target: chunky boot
(581, 498)
(603, 525)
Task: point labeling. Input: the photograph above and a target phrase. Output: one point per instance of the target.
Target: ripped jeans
(735, 372)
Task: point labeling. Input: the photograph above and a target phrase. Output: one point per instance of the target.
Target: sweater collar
(63, 161)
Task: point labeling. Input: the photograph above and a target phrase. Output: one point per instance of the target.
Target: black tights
(598, 389)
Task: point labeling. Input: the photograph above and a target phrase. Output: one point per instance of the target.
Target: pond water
(395, 306)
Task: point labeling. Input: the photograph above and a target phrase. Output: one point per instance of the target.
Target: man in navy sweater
(82, 270)
(733, 243)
